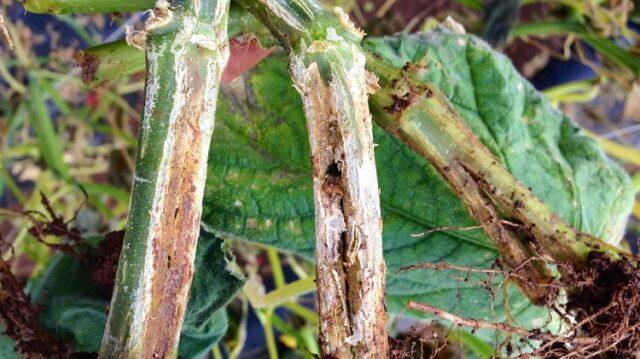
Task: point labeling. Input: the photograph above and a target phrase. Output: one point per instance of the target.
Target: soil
(609, 306)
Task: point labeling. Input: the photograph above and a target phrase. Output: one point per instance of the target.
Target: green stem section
(117, 59)
(427, 122)
(86, 6)
(109, 61)
(187, 50)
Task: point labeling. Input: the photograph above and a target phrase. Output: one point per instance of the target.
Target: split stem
(328, 69)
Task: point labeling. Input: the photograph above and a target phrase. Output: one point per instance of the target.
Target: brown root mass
(607, 309)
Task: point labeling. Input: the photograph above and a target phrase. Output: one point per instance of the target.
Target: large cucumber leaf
(73, 307)
(259, 179)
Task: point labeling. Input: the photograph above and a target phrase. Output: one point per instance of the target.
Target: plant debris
(55, 225)
(105, 262)
(21, 321)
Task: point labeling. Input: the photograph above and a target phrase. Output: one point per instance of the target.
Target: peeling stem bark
(328, 69)
(349, 264)
(187, 50)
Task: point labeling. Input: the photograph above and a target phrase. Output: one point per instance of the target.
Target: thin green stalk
(328, 69)
(187, 50)
(276, 268)
(266, 316)
(603, 45)
(86, 6)
(48, 140)
(217, 354)
(114, 60)
(279, 296)
(79, 29)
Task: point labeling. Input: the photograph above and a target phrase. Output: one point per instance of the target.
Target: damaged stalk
(425, 120)
(328, 69)
(187, 50)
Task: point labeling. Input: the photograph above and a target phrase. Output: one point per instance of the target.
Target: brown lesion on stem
(532, 277)
(175, 237)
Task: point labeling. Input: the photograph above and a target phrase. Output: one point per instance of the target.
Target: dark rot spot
(89, 63)
(400, 103)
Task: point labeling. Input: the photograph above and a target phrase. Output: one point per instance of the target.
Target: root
(428, 341)
(602, 311)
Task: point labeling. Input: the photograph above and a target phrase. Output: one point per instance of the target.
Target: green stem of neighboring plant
(601, 44)
(86, 6)
(276, 268)
(48, 140)
(279, 296)
(187, 50)
(265, 316)
(117, 59)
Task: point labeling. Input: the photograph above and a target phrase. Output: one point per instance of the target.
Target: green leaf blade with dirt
(259, 177)
(259, 186)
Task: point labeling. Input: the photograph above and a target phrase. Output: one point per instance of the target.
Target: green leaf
(74, 308)
(259, 189)
(259, 179)
(7, 346)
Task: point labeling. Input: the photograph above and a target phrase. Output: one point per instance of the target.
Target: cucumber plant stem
(86, 6)
(328, 70)
(187, 50)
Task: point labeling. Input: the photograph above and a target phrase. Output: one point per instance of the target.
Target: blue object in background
(558, 72)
